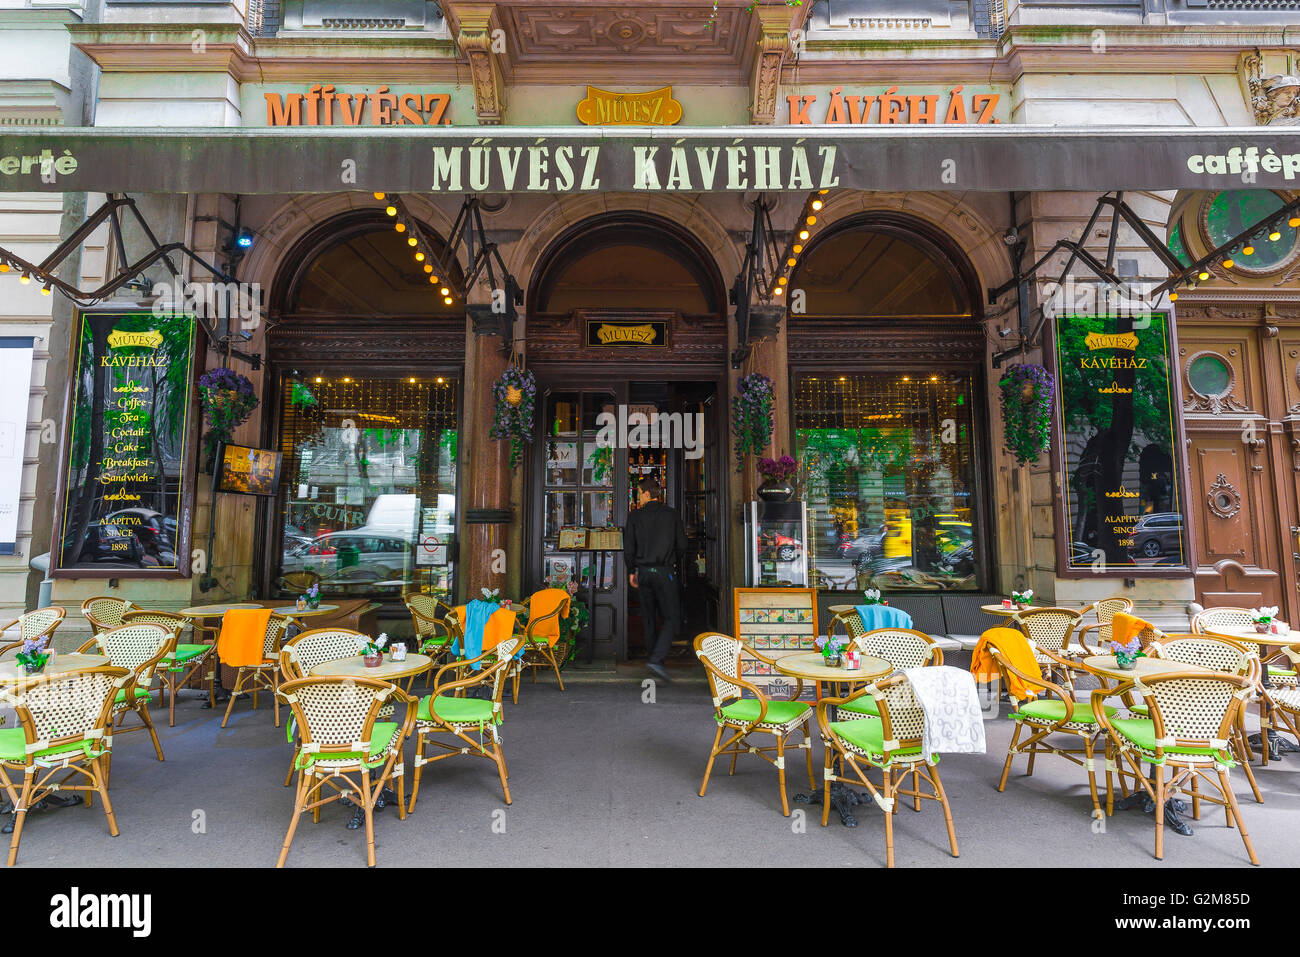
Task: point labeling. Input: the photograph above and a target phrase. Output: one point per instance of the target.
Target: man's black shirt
(654, 536)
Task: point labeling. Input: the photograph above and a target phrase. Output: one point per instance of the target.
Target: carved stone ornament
(773, 45)
(1214, 404)
(475, 41)
(1223, 498)
(1275, 99)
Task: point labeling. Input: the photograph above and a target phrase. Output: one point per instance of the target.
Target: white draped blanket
(954, 723)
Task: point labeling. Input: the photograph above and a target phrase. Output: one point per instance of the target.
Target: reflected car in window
(352, 557)
(1159, 533)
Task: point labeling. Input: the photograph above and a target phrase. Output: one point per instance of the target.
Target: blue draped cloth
(477, 613)
(882, 616)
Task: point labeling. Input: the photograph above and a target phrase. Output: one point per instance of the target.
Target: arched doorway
(366, 359)
(626, 319)
(886, 374)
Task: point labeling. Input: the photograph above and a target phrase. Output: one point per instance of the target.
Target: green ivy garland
(751, 415)
(516, 396)
(1027, 393)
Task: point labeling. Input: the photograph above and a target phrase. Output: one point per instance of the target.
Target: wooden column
(486, 483)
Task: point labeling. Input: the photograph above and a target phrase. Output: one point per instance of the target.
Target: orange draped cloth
(499, 627)
(243, 635)
(1015, 650)
(543, 603)
(1125, 627)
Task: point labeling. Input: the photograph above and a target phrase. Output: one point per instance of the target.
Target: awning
(663, 159)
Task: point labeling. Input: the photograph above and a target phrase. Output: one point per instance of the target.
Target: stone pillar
(486, 483)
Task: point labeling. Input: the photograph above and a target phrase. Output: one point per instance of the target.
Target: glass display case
(776, 544)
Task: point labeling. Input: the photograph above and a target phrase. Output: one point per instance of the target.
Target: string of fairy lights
(422, 250)
(1270, 226)
(798, 241)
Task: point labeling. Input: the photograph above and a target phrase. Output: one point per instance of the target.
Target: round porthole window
(1236, 210)
(1209, 375)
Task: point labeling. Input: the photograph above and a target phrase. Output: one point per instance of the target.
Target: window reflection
(888, 471)
(368, 488)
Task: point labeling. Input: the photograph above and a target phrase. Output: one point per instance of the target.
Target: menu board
(124, 508)
(775, 622)
(1121, 479)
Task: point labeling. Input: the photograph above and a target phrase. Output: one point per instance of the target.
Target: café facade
(431, 220)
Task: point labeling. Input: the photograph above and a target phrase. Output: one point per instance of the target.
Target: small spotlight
(447, 300)
(319, 379)
(1274, 236)
(804, 234)
(419, 257)
(440, 380)
(796, 249)
(822, 192)
(445, 291)
(777, 291)
(429, 268)
(244, 240)
(391, 210)
(400, 227)
(346, 379)
(25, 279)
(411, 380)
(811, 220)
(379, 195)
(45, 290)
(433, 280)
(791, 262)
(907, 378)
(1203, 275)
(411, 240)
(782, 281)
(1173, 297)
(1294, 222)
(817, 205)
(1248, 250)
(1227, 264)
(4, 267)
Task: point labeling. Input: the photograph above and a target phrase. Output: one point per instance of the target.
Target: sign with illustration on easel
(606, 332)
(775, 622)
(125, 489)
(1122, 471)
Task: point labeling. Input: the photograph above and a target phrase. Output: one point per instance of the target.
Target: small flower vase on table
(372, 651)
(1126, 655)
(33, 654)
(1125, 662)
(1262, 618)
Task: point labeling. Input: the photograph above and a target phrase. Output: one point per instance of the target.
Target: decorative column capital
(481, 40)
(775, 26)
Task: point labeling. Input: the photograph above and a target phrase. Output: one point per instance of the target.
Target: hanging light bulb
(419, 257)
(782, 281)
(391, 210)
(447, 300)
(25, 279)
(400, 227)
(1227, 264)
(429, 268)
(797, 249)
(1274, 235)
(804, 234)
(1248, 250)
(433, 280)
(817, 205)
(45, 290)
(1173, 297)
(791, 262)
(379, 195)
(1203, 275)
(777, 291)
(411, 240)
(1294, 222)
(445, 291)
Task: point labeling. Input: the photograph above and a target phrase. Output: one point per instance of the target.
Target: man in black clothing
(654, 542)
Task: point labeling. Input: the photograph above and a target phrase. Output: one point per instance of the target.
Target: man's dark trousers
(657, 590)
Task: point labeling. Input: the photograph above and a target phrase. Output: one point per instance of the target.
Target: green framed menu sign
(125, 490)
(1118, 438)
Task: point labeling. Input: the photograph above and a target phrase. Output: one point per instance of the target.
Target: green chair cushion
(437, 640)
(1142, 732)
(13, 746)
(778, 712)
(1140, 709)
(864, 705)
(190, 652)
(120, 697)
(1281, 672)
(456, 710)
(869, 735)
(1052, 709)
(381, 735)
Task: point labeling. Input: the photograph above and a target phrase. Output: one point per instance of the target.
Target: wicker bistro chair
(1281, 705)
(432, 633)
(295, 583)
(345, 748)
(1213, 619)
(304, 651)
(1049, 630)
(180, 666)
(251, 679)
(889, 741)
(140, 648)
(33, 625)
(1053, 712)
(1188, 734)
(65, 725)
(903, 648)
(1217, 654)
(538, 652)
(1105, 611)
(443, 713)
(104, 612)
(720, 655)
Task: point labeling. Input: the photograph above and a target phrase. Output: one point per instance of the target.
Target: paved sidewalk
(601, 778)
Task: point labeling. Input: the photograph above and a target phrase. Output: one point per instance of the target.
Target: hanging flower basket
(516, 396)
(1027, 393)
(228, 399)
(751, 415)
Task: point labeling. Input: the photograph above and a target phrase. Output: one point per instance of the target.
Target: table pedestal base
(1173, 809)
(358, 820)
(1277, 745)
(45, 804)
(842, 798)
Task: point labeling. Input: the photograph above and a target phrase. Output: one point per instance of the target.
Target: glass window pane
(1209, 375)
(597, 464)
(888, 471)
(1236, 210)
(561, 462)
(368, 487)
(561, 510)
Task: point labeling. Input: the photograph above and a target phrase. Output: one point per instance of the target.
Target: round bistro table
(1277, 745)
(811, 667)
(199, 615)
(292, 612)
(59, 664)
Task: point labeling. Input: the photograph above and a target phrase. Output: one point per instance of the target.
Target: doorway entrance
(597, 443)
